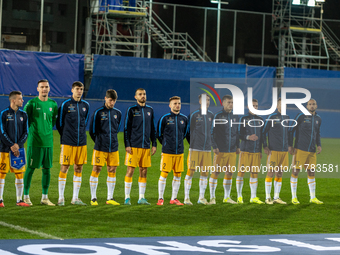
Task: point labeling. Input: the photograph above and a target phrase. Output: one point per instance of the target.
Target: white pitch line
(29, 231)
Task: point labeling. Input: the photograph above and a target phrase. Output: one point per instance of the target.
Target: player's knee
(78, 168)
(64, 168)
(111, 169)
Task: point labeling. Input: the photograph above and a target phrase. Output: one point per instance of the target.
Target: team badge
(317, 122)
(149, 113)
(115, 116)
(182, 122)
(84, 109)
(21, 118)
(50, 109)
(209, 119)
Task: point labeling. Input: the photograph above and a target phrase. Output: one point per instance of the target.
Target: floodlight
(311, 3)
(320, 1)
(296, 2)
(218, 1)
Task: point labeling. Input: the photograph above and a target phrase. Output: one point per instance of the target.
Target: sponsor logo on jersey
(38, 108)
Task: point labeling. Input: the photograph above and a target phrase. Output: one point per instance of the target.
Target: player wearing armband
(42, 115)
(277, 152)
(104, 127)
(171, 131)
(13, 134)
(73, 115)
(307, 135)
(251, 153)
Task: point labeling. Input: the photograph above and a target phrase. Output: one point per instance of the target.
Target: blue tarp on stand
(21, 70)
(161, 78)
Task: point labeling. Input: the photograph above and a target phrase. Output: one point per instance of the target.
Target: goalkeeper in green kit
(42, 115)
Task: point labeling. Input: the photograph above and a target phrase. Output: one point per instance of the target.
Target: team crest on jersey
(84, 109)
(182, 122)
(317, 122)
(21, 118)
(115, 116)
(50, 109)
(209, 119)
(149, 113)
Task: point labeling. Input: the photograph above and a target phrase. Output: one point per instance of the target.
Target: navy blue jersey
(171, 131)
(139, 127)
(199, 130)
(253, 125)
(225, 136)
(104, 127)
(276, 132)
(71, 122)
(14, 128)
(307, 132)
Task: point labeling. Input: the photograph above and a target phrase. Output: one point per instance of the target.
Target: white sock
(203, 186)
(111, 184)
(93, 186)
(187, 186)
(19, 186)
(2, 185)
(76, 187)
(277, 189)
(268, 189)
(212, 187)
(61, 187)
(142, 187)
(239, 185)
(311, 186)
(293, 186)
(253, 187)
(127, 189)
(176, 183)
(44, 196)
(227, 187)
(161, 187)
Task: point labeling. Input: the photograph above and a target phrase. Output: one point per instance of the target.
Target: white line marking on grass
(29, 231)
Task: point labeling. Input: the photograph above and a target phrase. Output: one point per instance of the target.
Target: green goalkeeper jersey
(42, 116)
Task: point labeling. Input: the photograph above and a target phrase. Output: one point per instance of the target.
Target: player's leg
(178, 167)
(214, 177)
(205, 163)
(282, 166)
(253, 180)
(165, 168)
(98, 161)
(242, 163)
(271, 163)
(33, 162)
(144, 163)
(112, 164)
(297, 160)
(310, 166)
(79, 156)
(94, 183)
(2, 187)
(191, 164)
(19, 187)
(65, 161)
(46, 174)
(131, 163)
(228, 177)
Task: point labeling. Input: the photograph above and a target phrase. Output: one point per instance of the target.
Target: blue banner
(18, 162)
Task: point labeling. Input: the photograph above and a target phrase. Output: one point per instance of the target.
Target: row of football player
(71, 119)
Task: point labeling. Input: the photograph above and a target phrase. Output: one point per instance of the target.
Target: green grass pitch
(106, 221)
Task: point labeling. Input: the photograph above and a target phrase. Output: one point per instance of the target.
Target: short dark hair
(138, 89)
(111, 93)
(227, 97)
(43, 80)
(13, 94)
(255, 100)
(174, 98)
(200, 95)
(77, 84)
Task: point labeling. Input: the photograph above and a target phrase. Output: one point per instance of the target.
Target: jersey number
(130, 161)
(3, 166)
(164, 165)
(97, 160)
(66, 158)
